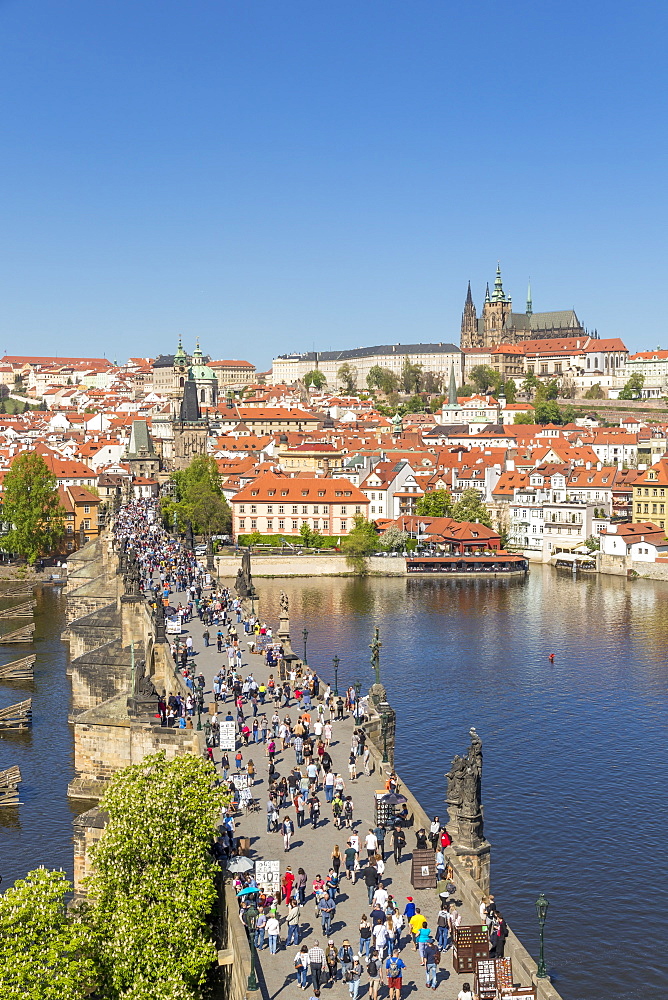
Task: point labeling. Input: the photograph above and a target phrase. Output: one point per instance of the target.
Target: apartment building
(278, 505)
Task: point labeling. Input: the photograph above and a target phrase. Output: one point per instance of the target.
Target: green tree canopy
(411, 376)
(470, 507)
(633, 388)
(508, 390)
(43, 951)
(32, 507)
(315, 379)
(437, 503)
(360, 543)
(154, 880)
(529, 385)
(383, 379)
(199, 499)
(310, 538)
(485, 379)
(347, 376)
(594, 392)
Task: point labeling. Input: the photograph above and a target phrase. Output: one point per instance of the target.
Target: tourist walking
(394, 968)
(301, 966)
(288, 828)
(317, 966)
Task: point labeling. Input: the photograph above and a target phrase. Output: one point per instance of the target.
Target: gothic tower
(469, 330)
(495, 313)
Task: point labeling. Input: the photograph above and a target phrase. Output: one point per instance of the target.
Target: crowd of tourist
(292, 724)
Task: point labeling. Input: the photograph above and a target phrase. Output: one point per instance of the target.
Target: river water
(574, 782)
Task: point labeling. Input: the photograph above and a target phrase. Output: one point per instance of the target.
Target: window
(373, 496)
(253, 509)
(86, 508)
(373, 510)
(316, 525)
(325, 525)
(344, 525)
(281, 509)
(321, 493)
(294, 526)
(343, 509)
(304, 509)
(315, 509)
(270, 525)
(281, 525)
(284, 493)
(270, 509)
(86, 523)
(325, 509)
(242, 508)
(242, 524)
(358, 509)
(543, 369)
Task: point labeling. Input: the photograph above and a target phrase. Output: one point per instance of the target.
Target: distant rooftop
(367, 352)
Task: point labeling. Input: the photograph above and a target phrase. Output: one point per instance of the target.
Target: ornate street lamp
(336, 662)
(200, 706)
(541, 909)
(305, 637)
(251, 916)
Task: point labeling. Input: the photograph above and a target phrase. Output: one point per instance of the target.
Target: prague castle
(498, 324)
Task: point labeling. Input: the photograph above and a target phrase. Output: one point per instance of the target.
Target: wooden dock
(23, 634)
(16, 716)
(9, 782)
(18, 670)
(19, 610)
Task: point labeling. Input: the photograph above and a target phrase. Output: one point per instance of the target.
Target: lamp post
(541, 909)
(336, 662)
(251, 921)
(305, 637)
(375, 647)
(383, 732)
(200, 706)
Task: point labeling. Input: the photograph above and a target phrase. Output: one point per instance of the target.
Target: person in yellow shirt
(415, 923)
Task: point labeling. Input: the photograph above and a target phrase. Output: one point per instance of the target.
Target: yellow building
(650, 495)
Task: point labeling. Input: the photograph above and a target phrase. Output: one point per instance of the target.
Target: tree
(593, 543)
(315, 379)
(437, 503)
(550, 389)
(436, 403)
(360, 543)
(154, 880)
(199, 499)
(633, 388)
(530, 384)
(32, 506)
(432, 382)
(411, 376)
(394, 539)
(347, 376)
(254, 538)
(43, 950)
(507, 390)
(383, 379)
(484, 378)
(470, 507)
(525, 418)
(312, 539)
(594, 392)
(467, 390)
(547, 412)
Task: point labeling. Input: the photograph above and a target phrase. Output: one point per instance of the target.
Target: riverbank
(266, 566)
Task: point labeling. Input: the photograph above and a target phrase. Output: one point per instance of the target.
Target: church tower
(469, 330)
(495, 312)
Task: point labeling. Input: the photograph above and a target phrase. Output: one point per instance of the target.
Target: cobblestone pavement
(311, 850)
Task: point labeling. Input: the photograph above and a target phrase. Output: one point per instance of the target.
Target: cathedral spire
(529, 302)
(499, 295)
(487, 298)
(469, 297)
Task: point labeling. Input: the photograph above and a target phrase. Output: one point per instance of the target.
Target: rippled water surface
(574, 783)
(40, 830)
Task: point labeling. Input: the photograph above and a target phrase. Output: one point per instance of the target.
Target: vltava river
(574, 783)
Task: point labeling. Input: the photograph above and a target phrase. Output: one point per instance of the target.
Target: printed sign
(425, 870)
(228, 737)
(268, 876)
(240, 780)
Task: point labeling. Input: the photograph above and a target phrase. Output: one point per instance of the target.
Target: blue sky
(284, 175)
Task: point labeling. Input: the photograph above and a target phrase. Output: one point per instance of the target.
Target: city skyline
(276, 179)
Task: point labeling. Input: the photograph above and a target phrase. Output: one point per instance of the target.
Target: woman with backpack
(373, 972)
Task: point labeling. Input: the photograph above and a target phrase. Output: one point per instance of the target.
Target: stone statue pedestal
(477, 860)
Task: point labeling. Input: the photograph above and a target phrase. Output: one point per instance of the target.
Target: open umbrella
(248, 890)
(393, 799)
(240, 864)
